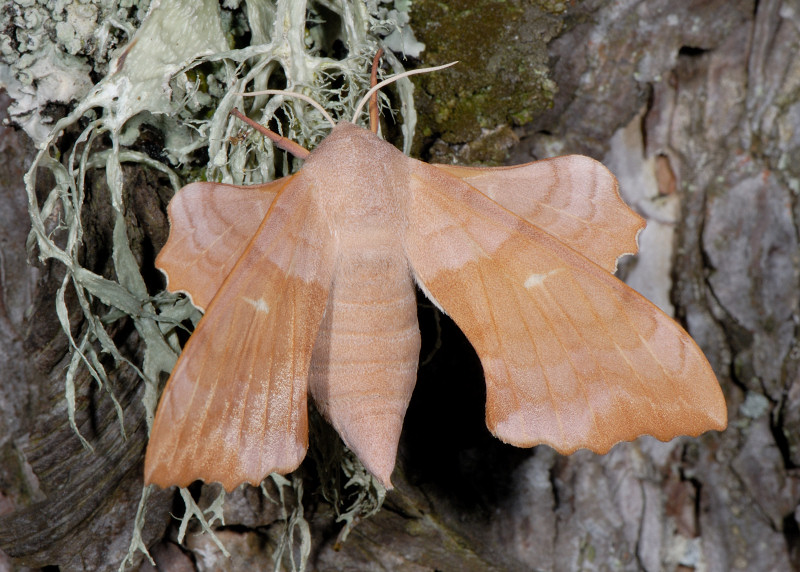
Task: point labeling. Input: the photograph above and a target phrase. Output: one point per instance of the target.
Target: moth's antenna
(373, 100)
(392, 79)
(305, 98)
(281, 142)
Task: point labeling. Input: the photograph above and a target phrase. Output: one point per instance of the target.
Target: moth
(308, 286)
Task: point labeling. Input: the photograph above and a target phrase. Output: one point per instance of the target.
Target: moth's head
(348, 139)
(353, 157)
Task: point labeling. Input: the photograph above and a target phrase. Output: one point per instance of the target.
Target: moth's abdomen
(364, 364)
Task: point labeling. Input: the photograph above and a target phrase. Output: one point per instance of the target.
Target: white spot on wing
(537, 279)
(260, 305)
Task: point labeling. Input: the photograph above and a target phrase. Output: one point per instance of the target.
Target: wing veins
(271, 388)
(549, 207)
(242, 408)
(509, 277)
(216, 384)
(577, 331)
(666, 375)
(501, 346)
(257, 340)
(186, 421)
(545, 377)
(620, 351)
(293, 338)
(230, 227)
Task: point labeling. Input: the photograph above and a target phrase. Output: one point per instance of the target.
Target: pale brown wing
(572, 357)
(234, 408)
(574, 198)
(210, 226)
(364, 364)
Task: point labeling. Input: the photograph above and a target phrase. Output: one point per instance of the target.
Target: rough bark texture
(695, 106)
(59, 502)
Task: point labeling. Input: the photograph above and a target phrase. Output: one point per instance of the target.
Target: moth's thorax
(359, 179)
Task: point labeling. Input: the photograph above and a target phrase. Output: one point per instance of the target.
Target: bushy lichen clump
(52, 50)
(504, 79)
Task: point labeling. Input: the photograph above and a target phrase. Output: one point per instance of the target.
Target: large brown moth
(307, 284)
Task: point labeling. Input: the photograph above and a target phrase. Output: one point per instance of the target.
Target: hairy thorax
(359, 182)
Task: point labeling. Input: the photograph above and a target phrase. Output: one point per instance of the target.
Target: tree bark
(694, 105)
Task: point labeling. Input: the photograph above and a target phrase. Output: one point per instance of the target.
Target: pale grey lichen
(369, 495)
(399, 35)
(175, 66)
(296, 524)
(50, 48)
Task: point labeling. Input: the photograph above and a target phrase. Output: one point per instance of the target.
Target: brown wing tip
(164, 480)
(605, 447)
(711, 415)
(716, 415)
(165, 472)
(229, 486)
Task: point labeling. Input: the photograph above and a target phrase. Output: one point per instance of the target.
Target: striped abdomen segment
(364, 364)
